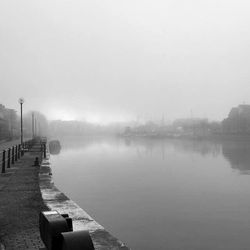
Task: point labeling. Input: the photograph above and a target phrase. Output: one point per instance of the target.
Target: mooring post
(22, 149)
(8, 158)
(3, 162)
(16, 153)
(44, 150)
(13, 155)
(36, 162)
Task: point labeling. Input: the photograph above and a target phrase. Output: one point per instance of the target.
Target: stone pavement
(20, 204)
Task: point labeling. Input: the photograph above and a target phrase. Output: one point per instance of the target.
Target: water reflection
(54, 147)
(200, 147)
(160, 194)
(146, 146)
(238, 154)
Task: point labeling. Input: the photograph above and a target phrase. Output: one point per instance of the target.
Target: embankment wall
(56, 200)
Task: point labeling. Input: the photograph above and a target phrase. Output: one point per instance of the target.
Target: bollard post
(44, 150)
(51, 225)
(22, 149)
(13, 155)
(8, 158)
(36, 162)
(16, 153)
(77, 240)
(3, 162)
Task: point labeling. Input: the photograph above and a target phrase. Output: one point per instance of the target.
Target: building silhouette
(8, 123)
(238, 120)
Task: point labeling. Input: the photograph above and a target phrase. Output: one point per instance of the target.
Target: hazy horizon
(105, 61)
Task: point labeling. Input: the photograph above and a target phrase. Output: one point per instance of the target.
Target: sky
(114, 60)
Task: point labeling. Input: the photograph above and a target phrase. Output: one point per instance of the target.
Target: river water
(161, 194)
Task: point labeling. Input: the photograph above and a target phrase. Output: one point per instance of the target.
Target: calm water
(161, 194)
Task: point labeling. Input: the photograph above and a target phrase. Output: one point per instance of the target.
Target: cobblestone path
(20, 204)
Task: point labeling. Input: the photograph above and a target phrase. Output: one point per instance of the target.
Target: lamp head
(21, 100)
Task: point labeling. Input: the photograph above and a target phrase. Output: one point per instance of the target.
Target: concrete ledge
(56, 200)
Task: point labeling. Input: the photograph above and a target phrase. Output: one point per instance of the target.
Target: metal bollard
(3, 162)
(77, 240)
(44, 150)
(8, 158)
(22, 149)
(51, 225)
(13, 155)
(16, 153)
(36, 162)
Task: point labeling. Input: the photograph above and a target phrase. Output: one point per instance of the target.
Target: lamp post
(33, 125)
(21, 101)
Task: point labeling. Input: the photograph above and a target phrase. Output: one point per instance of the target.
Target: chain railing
(12, 154)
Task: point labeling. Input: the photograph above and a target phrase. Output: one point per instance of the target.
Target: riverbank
(25, 190)
(56, 200)
(20, 204)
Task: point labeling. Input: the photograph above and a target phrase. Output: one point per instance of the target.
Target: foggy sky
(115, 60)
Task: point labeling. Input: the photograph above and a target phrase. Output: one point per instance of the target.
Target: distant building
(238, 120)
(192, 126)
(8, 123)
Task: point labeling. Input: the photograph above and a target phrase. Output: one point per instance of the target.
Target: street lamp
(21, 101)
(33, 125)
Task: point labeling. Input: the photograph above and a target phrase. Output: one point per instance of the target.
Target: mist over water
(160, 194)
(104, 61)
(147, 73)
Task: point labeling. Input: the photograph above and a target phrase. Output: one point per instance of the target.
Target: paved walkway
(20, 204)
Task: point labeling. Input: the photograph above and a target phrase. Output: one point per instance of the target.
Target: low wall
(56, 200)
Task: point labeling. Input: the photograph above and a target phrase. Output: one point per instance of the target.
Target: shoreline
(54, 199)
(21, 202)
